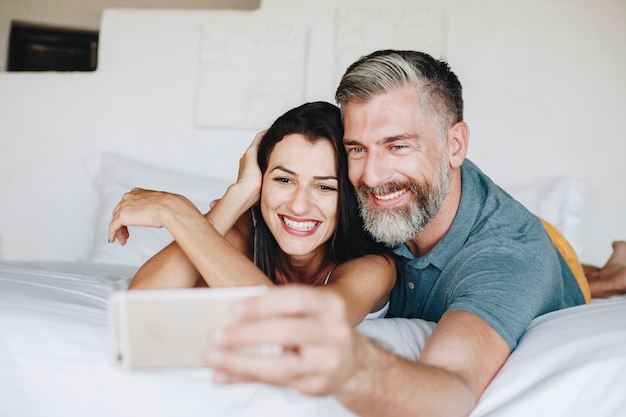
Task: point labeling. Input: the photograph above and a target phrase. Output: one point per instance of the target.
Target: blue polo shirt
(496, 261)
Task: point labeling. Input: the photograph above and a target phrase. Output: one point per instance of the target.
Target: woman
(305, 228)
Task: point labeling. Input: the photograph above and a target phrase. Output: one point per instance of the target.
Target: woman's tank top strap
(329, 272)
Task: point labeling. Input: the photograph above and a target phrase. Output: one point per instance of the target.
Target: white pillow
(113, 175)
(559, 200)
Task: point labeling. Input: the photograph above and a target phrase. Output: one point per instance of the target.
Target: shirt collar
(456, 236)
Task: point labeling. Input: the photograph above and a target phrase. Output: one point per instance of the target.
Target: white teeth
(390, 196)
(299, 226)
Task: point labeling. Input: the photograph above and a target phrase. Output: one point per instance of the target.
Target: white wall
(81, 14)
(544, 90)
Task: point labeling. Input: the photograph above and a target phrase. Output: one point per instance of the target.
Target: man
(476, 261)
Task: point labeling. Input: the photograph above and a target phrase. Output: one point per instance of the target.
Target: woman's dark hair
(315, 121)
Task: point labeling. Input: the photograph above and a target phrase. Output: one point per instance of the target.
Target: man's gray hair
(438, 88)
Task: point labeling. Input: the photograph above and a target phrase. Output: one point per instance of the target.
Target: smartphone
(169, 328)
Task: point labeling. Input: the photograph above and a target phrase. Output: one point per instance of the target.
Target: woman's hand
(146, 208)
(227, 211)
(249, 171)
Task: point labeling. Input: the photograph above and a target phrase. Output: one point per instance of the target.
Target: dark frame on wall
(34, 47)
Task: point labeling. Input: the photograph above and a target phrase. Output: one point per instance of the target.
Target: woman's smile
(299, 226)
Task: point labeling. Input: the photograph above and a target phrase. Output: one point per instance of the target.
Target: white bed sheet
(55, 359)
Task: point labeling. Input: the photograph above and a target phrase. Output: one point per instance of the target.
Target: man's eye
(355, 150)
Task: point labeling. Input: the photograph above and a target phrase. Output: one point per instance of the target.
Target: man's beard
(401, 224)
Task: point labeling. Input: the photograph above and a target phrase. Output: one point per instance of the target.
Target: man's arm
(324, 355)
(460, 358)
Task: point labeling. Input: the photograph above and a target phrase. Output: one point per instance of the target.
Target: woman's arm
(217, 260)
(364, 283)
(172, 267)
(199, 249)
(168, 268)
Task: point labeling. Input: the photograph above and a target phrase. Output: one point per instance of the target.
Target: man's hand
(323, 355)
(309, 324)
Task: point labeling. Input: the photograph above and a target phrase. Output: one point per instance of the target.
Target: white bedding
(55, 358)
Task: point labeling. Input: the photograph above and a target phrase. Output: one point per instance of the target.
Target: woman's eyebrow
(326, 177)
(318, 177)
(282, 168)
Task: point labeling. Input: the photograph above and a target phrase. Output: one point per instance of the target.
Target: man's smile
(389, 196)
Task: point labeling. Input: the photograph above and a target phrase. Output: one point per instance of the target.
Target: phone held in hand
(171, 328)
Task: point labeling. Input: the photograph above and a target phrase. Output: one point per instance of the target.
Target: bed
(56, 355)
(56, 358)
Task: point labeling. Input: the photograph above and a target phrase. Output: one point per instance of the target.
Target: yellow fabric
(569, 254)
